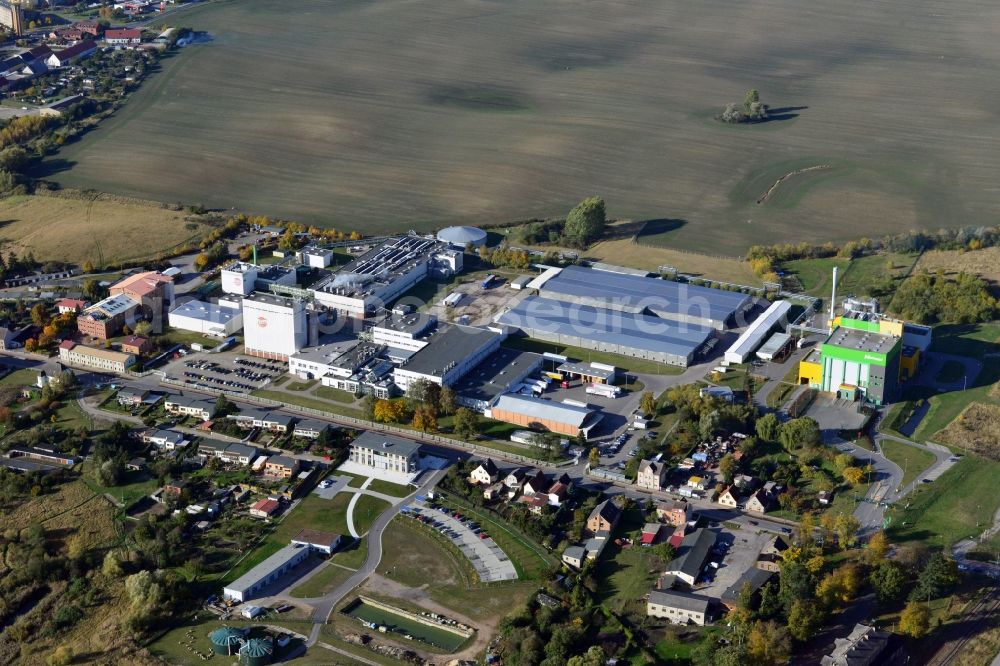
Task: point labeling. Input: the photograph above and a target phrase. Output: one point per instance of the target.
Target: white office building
(315, 256)
(206, 318)
(242, 278)
(274, 326)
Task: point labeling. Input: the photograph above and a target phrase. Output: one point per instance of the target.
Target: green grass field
(412, 115)
(948, 510)
(389, 488)
(322, 582)
(980, 341)
(910, 459)
(856, 276)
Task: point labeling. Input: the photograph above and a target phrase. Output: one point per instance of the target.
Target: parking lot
(488, 559)
(735, 551)
(227, 371)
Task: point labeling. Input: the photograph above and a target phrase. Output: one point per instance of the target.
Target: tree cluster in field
(928, 298)
(752, 110)
(583, 225)
(34, 424)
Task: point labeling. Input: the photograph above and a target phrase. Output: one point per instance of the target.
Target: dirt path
(767, 195)
(486, 627)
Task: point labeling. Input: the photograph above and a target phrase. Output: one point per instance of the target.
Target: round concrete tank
(226, 640)
(463, 236)
(257, 652)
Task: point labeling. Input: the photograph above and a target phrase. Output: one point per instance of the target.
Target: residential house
(131, 397)
(324, 542)
(674, 512)
(311, 428)
(123, 36)
(691, 556)
(190, 406)
(515, 479)
(71, 54)
(769, 558)
(239, 454)
(174, 489)
(824, 497)
(678, 607)
(133, 344)
(11, 338)
(165, 440)
(537, 483)
(136, 464)
(575, 556)
(486, 473)
(758, 502)
(70, 305)
(535, 503)
(281, 466)
(604, 517)
(697, 483)
(557, 493)
(651, 534)
(652, 475)
(729, 497)
(265, 508)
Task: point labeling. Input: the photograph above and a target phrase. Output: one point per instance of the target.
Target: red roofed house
(265, 508)
(70, 305)
(677, 537)
(557, 493)
(123, 36)
(651, 533)
(535, 503)
(133, 344)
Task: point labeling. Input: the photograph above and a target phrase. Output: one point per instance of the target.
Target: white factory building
(776, 316)
(315, 256)
(274, 326)
(384, 273)
(403, 331)
(219, 319)
(451, 352)
(243, 278)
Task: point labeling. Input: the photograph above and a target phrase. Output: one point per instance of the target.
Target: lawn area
(309, 403)
(330, 393)
(911, 460)
(980, 341)
(950, 372)
(389, 488)
(649, 251)
(414, 556)
(857, 276)
(366, 511)
(320, 514)
(322, 582)
(626, 574)
(302, 386)
(136, 485)
(70, 415)
(636, 365)
(22, 377)
(176, 336)
(955, 506)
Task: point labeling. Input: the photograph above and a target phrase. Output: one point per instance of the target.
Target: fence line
(365, 424)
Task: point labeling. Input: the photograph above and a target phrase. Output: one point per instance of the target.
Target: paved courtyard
(744, 546)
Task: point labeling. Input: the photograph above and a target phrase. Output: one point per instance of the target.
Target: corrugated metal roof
(543, 409)
(653, 293)
(611, 326)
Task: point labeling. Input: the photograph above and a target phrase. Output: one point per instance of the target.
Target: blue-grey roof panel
(611, 326)
(654, 293)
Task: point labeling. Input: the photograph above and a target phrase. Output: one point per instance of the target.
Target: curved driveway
(323, 606)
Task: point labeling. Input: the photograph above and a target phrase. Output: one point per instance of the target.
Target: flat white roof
(754, 336)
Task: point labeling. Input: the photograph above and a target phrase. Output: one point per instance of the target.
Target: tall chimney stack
(833, 298)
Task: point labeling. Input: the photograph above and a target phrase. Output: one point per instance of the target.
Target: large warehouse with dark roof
(613, 331)
(677, 301)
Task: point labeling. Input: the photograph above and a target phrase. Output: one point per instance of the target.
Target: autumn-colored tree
(847, 527)
(390, 411)
(424, 420)
(840, 586)
(31, 345)
(648, 404)
(768, 643)
(853, 475)
(88, 267)
(877, 548)
(915, 620)
(815, 564)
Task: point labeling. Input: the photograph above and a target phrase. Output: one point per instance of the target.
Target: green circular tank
(256, 652)
(226, 640)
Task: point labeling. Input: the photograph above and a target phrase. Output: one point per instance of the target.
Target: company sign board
(853, 355)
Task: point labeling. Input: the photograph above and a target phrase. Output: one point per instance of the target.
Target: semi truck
(452, 299)
(488, 280)
(606, 390)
